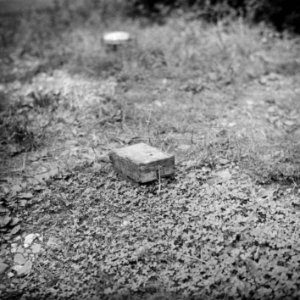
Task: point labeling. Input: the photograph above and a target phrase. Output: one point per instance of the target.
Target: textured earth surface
(227, 225)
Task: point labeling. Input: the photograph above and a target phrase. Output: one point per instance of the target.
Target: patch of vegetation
(223, 98)
(189, 58)
(24, 123)
(197, 236)
(282, 14)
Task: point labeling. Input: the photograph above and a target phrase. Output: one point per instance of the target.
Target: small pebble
(29, 239)
(15, 221)
(19, 259)
(14, 247)
(223, 161)
(184, 147)
(17, 238)
(20, 249)
(36, 248)
(3, 267)
(52, 242)
(23, 270)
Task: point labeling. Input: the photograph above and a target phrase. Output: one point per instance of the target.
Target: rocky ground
(227, 225)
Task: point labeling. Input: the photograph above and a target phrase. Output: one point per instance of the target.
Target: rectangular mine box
(142, 163)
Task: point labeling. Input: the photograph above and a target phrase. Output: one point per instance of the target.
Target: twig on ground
(159, 181)
(193, 257)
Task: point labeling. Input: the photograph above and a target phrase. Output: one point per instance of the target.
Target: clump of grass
(45, 99)
(267, 159)
(24, 123)
(15, 130)
(229, 51)
(4, 101)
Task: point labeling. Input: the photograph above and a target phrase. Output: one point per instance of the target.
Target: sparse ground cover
(223, 98)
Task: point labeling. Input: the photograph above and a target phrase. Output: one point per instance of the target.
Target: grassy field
(224, 98)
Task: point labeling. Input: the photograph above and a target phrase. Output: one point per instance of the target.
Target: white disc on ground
(116, 37)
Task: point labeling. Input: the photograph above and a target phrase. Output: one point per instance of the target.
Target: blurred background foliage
(283, 14)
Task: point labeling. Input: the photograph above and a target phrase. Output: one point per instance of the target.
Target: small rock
(24, 285)
(23, 270)
(141, 251)
(224, 174)
(269, 78)
(15, 281)
(29, 239)
(13, 150)
(219, 177)
(3, 210)
(289, 123)
(296, 133)
(53, 242)
(19, 259)
(3, 267)
(14, 247)
(16, 189)
(3, 247)
(14, 221)
(25, 196)
(184, 147)
(213, 76)
(158, 103)
(18, 269)
(223, 161)
(274, 76)
(20, 249)
(22, 203)
(4, 221)
(15, 230)
(10, 274)
(5, 189)
(103, 158)
(36, 248)
(17, 238)
(125, 223)
(38, 188)
(190, 164)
